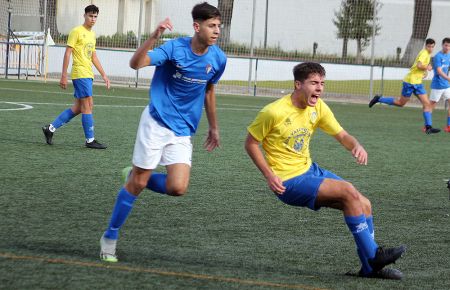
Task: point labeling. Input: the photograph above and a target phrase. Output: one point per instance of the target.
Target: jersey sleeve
(262, 125)
(328, 122)
(437, 61)
(73, 37)
(423, 58)
(161, 54)
(215, 79)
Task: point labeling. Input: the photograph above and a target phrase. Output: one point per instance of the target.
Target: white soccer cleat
(108, 250)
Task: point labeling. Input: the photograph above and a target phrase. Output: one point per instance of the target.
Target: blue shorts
(409, 89)
(302, 190)
(83, 88)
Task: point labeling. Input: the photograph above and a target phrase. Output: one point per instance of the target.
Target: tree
(226, 9)
(355, 20)
(50, 16)
(342, 22)
(421, 25)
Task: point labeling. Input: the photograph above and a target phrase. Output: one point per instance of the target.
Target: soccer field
(229, 231)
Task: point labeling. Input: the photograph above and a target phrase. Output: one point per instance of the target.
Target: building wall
(292, 24)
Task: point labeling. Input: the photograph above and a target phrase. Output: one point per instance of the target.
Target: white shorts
(436, 95)
(156, 145)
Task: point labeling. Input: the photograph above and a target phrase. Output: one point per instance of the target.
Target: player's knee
(352, 194)
(367, 205)
(177, 190)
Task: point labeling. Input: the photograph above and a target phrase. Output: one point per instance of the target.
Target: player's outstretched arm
(63, 81)
(99, 67)
(254, 151)
(140, 57)
(351, 144)
(212, 140)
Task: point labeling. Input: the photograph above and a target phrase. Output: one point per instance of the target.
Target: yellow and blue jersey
(415, 75)
(82, 41)
(285, 132)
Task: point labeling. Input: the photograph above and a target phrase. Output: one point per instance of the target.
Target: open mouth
(313, 99)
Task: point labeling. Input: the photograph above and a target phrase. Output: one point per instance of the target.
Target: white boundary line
(23, 107)
(27, 106)
(240, 107)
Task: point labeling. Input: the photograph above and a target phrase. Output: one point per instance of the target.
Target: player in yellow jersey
(413, 84)
(285, 128)
(81, 45)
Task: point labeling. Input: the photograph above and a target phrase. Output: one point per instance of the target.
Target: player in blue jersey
(186, 71)
(284, 128)
(440, 86)
(413, 84)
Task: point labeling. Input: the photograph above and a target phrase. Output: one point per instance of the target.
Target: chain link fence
(366, 46)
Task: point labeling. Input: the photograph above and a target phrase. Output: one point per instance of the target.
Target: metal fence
(366, 46)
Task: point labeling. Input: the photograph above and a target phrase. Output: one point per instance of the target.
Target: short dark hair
(429, 41)
(91, 8)
(446, 40)
(204, 11)
(303, 70)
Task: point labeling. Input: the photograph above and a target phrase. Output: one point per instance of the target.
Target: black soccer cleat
(48, 135)
(375, 100)
(385, 256)
(385, 273)
(95, 145)
(430, 130)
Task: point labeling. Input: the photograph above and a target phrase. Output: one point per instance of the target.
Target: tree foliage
(355, 20)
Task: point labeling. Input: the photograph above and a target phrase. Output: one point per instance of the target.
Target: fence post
(372, 56)
(7, 38)
(139, 39)
(251, 48)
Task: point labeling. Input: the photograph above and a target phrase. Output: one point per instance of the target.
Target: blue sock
(427, 118)
(359, 228)
(63, 118)
(448, 121)
(122, 208)
(366, 269)
(387, 100)
(157, 182)
(87, 120)
(369, 220)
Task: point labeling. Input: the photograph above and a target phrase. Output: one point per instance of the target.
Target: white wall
(292, 24)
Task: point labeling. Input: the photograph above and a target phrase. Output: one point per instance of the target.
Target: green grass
(229, 231)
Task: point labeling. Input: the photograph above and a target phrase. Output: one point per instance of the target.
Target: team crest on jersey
(297, 139)
(313, 117)
(208, 68)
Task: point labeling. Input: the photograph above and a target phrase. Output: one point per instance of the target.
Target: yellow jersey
(82, 42)
(285, 131)
(415, 75)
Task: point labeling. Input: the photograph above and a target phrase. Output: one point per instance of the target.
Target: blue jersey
(179, 84)
(441, 60)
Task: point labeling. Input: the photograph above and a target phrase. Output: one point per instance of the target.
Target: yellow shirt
(415, 75)
(83, 43)
(285, 131)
